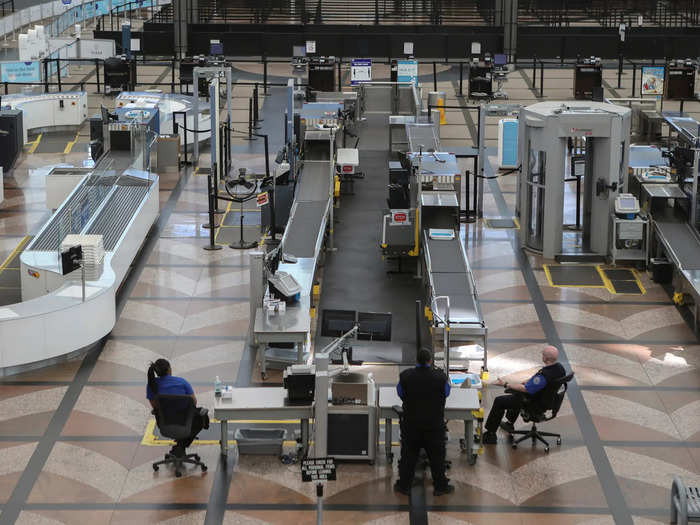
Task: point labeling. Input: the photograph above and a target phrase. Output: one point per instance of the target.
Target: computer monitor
(500, 60)
(374, 326)
(335, 323)
(216, 48)
(298, 51)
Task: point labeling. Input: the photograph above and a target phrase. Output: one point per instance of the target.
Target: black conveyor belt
(681, 243)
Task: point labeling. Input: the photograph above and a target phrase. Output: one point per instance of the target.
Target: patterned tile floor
(71, 448)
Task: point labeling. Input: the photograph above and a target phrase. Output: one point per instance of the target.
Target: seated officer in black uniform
(511, 404)
(423, 390)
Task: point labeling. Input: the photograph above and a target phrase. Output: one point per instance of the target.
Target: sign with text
(360, 71)
(653, 80)
(20, 71)
(407, 71)
(318, 469)
(400, 217)
(310, 47)
(263, 199)
(408, 48)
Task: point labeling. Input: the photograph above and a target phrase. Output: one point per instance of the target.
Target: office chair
(535, 411)
(174, 417)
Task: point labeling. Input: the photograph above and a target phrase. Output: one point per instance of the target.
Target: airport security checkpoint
(349, 275)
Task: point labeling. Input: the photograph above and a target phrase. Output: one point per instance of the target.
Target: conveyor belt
(422, 137)
(305, 227)
(458, 287)
(314, 184)
(680, 242)
(449, 275)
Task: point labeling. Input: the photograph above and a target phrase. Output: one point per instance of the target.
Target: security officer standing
(511, 404)
(423, 390)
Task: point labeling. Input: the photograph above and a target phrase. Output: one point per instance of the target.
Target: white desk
(459, 405)
(260, 403)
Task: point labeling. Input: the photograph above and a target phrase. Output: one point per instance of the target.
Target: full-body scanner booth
(545, 157)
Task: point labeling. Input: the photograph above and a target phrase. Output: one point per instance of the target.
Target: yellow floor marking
(221, 224)
(611, 288)
(70, 145)
(551, 282)
(35, 144)
(14, 253)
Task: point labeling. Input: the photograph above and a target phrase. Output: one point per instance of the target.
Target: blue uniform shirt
(400, 392)
(171, 385)
(535, 383)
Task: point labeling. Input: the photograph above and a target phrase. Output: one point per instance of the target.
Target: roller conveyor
(117, 213)
(422, 137)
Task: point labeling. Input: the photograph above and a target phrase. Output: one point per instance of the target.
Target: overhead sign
(20, 71)
(263, 198)
(407, 71)
(653, 80)
(310, 46)
(360, 70)
(408, 48)
(318, 469)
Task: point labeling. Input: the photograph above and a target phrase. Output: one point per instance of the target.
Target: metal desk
(260, 403)
(459, 405)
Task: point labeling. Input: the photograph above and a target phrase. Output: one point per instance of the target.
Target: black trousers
(433, 442)
(508, 404)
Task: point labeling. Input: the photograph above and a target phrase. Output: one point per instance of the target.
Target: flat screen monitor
(216, 48)
(500, 60)
(374, 326)
(335, 323)
(299, 51)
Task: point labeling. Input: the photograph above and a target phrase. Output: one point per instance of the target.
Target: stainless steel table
(692, 278)
(260, 403)
(459, 405)
(292, 326)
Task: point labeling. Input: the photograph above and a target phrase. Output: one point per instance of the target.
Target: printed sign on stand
(653, 80)
(310, 47)
(318, 469)
(360, 70)
(407, 71)
(400, 217)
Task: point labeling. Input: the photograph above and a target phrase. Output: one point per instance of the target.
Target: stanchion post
(97, 73)
(265, 75)
(172, 75)
(46, 75)
(461, 78)
(434, 76)
(634, 78)
(534, 72)
(340, 77)
(619, 71)
(212, 228)
(541, 79)
(58, 72)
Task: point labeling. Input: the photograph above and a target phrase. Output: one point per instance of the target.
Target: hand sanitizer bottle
(217, 387)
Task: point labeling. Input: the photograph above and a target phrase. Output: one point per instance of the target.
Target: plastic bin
(260, 441)
(661, 270)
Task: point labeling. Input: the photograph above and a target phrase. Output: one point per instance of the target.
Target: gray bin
(260, 441)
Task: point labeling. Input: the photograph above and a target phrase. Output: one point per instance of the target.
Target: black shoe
(447, 489)
(508, 427)
(401, 489)
(489, 438)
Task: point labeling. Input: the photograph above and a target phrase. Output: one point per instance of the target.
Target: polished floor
(72, 445)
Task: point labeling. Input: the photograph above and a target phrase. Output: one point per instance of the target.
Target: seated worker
(161, 381)
(511, 404)
(423, 390)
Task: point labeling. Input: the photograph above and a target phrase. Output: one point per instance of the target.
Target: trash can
(436, 100)
(661, 270)
(260, 441)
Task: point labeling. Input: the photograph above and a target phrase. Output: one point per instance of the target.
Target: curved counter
(53, 321)
(168, 104)
(49, 110)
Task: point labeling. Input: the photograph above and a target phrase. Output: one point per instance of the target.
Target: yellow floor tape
(14, 253)
(35, 144)
(70, 145)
